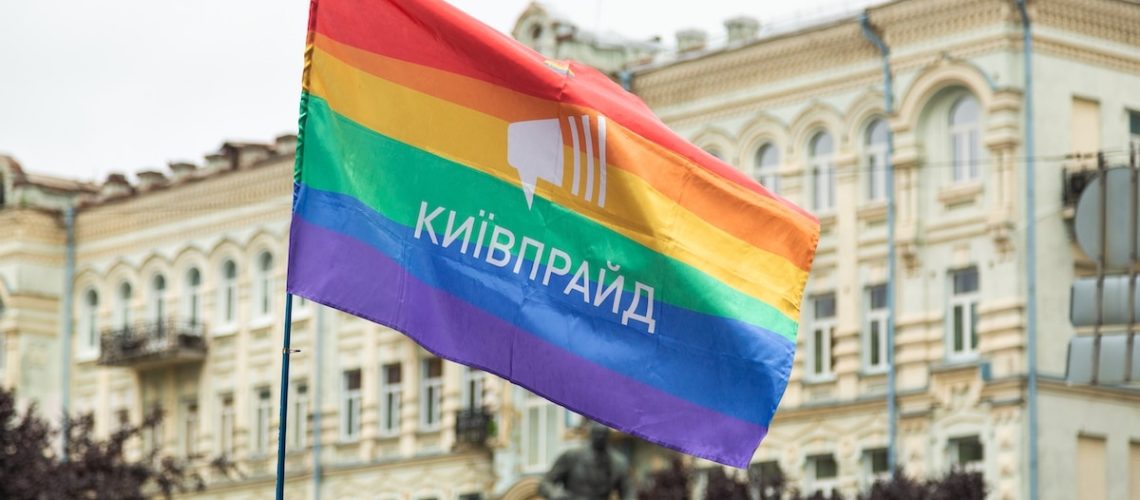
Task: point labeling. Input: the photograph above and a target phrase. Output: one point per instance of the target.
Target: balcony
(473, 426)
(153, 345)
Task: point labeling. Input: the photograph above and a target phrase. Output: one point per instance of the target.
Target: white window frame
(391, 399)
(156, 309)
(767, 174)
(875, 162)
(824, 328)
(540, 413)
(350, 406)
(263, 305)
(431, 396)
(299, 413)
(822, 168)
(192, 297)
(815, 484)
(954, 454)
(263, 411)
(967, 302)
(965, 143)
(189, 428)
(875, 317)
(228, 294)
(227, 424)
(867, 461)
(474, 388)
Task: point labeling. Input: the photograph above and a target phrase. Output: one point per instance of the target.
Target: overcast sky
(92, 87)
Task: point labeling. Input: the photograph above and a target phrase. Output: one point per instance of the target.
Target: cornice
(1115, 20)
(1067, 50)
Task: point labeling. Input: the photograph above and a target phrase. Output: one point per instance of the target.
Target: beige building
(802, 111)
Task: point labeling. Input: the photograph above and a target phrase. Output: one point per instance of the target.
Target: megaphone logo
(534, 148)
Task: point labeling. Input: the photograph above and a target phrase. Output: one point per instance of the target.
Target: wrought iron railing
(473, 426)
(153, 342)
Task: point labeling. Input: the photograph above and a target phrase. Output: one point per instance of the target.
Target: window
(391, 394)
(226, 426)
(154, 434)
(715, 152)
(431, 394)
(963, 338)
(88, 322)
(299, 415)
(1134, 133)
(473, 382)
(123, 307)
(264, 284)
(967, 453)
(227, 300)
(822, 165)
(765, 479)
(188, 434)
(350, 405)
(767, 168)
(471, 496)
(875, 466)
(541, 433)
(875, 160)
(193, 297)
(822, 473)
(875, 333)
(965, 132)
(1092, 468)
(261, 421)
(820, 336)
(158, 301)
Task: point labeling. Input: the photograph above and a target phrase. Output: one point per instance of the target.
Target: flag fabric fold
(530, 218)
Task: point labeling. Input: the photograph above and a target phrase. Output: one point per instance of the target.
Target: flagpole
(285, 354)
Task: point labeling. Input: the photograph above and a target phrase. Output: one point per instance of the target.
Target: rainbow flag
(530, 218)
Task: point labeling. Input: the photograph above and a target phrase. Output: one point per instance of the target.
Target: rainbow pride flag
(530, 218)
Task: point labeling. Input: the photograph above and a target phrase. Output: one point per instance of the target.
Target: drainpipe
(625, 77)
(318, 372)
(68, 323)
(1030, 248)
(888, 108)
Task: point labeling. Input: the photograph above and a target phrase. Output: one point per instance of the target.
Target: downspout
(1030, 249)
(625, 77)
(888, 109)
(318, 372)
(68, 324)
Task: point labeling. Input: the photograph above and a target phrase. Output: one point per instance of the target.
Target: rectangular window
(1134, 142)
(431, 394)
(299, 415)
(541, 433)
(967, 453)
(189, 429)
(226, 426)
(473, 381)
(875, 332)
(1092, 468)
(963, 338)
(820, 336)
(350, 405)
(875, 466)
(261, 421)
(877, 172)
(391, 394)
(765, 479)
(1084, 128)
(823, 178)
(823, 474)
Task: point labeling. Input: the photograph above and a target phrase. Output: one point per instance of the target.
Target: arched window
(965, 133)
(192, 299)
(227, 293)
(123, 307)
(875, 159)
(715, 152)
(89, 322)
(264, 284)
(766, 170)
(158, 299)
(822, 165)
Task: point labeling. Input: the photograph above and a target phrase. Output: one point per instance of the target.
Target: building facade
(802, 111)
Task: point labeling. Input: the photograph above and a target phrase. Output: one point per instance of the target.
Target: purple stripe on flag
(341, 272)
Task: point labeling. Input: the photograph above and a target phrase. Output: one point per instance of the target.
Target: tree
(32, 468)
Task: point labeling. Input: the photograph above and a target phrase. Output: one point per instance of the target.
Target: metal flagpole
(286, 352)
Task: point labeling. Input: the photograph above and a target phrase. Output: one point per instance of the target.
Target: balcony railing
(153, 344)
(473, 426)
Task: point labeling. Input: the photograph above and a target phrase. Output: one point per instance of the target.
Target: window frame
(263, 303)
(350, 405)
(122, 319)
(875, 316)
(190, 425)
(227, 425)
(192, 296)
(299, 423)
(391, 399)
(228, 294)
(431, 396)
(954, 452)
(88, 323)
(824, 328)
(767, 174)
(875, 161)
(815, 483)
(156, 307)
(965, 142)
(822, 164)
(262, 417)
(969, 302)
(540, 413)
(474, 388)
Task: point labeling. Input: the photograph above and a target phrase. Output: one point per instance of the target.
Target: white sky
(92, 87)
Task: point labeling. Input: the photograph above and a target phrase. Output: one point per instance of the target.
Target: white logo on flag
(534, 148)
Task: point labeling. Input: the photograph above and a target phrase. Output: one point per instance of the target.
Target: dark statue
(589, 473)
